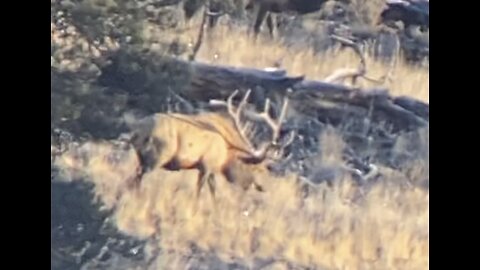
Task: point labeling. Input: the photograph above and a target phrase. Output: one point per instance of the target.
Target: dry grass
(331, 228)
(236, 48)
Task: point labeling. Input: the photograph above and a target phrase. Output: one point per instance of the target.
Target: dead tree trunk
(327, 101)
(324, 101)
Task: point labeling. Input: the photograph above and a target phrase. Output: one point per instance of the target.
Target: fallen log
(218, 82)
(327, 102)
(321, 99)
(335, 103)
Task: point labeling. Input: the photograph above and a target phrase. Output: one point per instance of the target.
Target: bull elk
(211, 142)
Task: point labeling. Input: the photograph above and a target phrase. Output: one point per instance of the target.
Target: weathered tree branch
(201, 32)
(340, 75)
(327, 102)
(319, 98)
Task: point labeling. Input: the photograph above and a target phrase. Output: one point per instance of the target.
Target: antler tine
(243, 102)
(291, 137)
(266, 109)
(236, 114)
(279, 155)
(230, 108)
(281, 117)
(275, 125)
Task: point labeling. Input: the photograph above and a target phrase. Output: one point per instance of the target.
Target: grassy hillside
(297, 223)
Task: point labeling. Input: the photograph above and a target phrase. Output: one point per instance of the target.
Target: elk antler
(236, 114)
(275, 125)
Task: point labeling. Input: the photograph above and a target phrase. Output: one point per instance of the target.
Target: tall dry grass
(338, 227)
(237, 49)
(223, 45)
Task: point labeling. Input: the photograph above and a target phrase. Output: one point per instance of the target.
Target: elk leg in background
(211, 186)
(262, 11)
(270, 24)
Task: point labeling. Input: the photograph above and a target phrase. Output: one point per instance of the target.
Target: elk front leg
(201, 180)
(211, 186)
(202, 177)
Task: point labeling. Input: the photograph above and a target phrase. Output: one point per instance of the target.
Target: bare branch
(189, 107)
(201, 32)
(340, 75)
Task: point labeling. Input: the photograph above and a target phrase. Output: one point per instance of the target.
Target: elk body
(212, 143)
(264, 7)
(214, 9)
